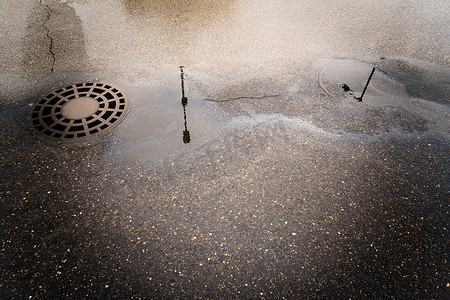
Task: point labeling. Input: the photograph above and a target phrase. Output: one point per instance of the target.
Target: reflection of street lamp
(184, 102)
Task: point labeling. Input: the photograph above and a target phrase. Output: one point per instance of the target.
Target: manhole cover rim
(51, 126)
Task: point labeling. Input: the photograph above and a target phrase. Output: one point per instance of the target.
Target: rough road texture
(283, 191)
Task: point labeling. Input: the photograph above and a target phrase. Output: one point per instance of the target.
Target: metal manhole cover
(78, 113)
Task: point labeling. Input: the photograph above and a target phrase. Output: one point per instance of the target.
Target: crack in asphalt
(242, 98)
(49, 13)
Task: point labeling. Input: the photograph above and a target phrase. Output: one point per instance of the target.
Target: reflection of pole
(184, 102)
(186, 135)
(365, 88)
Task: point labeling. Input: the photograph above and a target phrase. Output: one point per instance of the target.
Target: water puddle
(403, 93)
(167, 116)
(422, 80)
(385, 82)
(361, 81)
(177, 110)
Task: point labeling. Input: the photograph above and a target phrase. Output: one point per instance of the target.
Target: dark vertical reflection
(184, 102)
(367, 84)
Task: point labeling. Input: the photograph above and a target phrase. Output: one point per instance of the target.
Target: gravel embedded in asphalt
(283, 191)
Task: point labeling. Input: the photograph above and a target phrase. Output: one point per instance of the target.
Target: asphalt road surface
(247, 167)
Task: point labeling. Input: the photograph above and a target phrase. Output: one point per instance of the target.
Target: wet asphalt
(288, 187)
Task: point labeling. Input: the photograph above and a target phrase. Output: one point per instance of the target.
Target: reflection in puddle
(184, 102)
(339, 77)
(360, 98)
(390, 90)
(155, 127)
(392, 81)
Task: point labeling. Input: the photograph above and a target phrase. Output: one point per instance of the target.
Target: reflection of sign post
(184, 102)
(367, 84)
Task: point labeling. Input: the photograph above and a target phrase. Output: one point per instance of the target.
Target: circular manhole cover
(78, 113)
